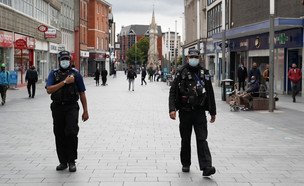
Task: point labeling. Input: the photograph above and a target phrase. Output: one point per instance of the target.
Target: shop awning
(259, 28)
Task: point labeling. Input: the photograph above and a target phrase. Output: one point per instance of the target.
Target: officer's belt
(64, 102)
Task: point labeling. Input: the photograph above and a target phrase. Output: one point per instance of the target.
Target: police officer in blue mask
(192, 95)
(66, 87)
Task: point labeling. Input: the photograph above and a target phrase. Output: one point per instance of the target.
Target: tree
(140, 53)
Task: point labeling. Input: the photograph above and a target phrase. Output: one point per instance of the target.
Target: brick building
(133, 33)
(98, 30)
(81, 36)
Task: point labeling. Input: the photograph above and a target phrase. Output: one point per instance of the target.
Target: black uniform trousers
(196, 119)
(31, 83)
(65, 120)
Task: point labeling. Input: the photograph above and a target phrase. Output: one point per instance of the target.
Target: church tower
(153, 52)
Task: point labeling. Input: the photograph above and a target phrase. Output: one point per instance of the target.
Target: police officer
(192, 94)
(66, 86)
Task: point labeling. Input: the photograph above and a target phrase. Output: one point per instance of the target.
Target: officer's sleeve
(173, 94)
(210, 95)
(80, 83)
(50, 80)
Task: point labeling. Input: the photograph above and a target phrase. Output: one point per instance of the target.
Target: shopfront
(23, 56)
(96, 60)
(84, 56)
(288, 49)
(6, 48)
(41, 55)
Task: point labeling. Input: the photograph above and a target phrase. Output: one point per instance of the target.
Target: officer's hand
(85, 116)
(173, 115)
(212, 120)
(69, 79)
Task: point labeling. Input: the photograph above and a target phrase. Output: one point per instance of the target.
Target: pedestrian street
(129, 140)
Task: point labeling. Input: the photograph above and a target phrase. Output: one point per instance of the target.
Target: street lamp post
(175, 42)
(198, 25)
(223, 39)
(271, 56)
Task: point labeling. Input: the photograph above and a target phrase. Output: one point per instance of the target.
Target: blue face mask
(193, 62)
(252, 81)
(65, 64)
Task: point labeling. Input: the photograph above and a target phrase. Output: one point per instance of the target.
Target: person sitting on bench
(252, 91)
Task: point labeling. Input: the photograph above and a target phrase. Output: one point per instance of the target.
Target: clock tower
(153, 52)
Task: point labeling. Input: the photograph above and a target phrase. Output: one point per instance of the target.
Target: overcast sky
(127, 12)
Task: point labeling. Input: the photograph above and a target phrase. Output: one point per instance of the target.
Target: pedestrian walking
(266, 76)
(97, 74)
(66, 86)
(131, 77)
(295, 76)
(143, 76)
(242, 75)
(104, 74)
(192, 94)
(254, 71)
(4, 83)
(31, 77)
(151, 73)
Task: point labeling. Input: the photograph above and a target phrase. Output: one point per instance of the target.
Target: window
(214, 19)
(209, 2)
(7, 2)
(97, 40)
(97, 9)
(97, 24)
(101, 43)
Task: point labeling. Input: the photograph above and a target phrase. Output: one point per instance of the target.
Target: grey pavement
(129, 140)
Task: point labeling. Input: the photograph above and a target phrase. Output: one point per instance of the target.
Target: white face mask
(193, 62)
(65, 64)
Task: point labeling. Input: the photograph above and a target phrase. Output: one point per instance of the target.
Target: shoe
(61, 166)
(2, 102)
(208, 171)
(133, 90)
(30, 96)
(294, 100)
(186, 168)
(72, 167)
(33, 96)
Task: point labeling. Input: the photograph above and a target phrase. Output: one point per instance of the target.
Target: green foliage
(140, 53)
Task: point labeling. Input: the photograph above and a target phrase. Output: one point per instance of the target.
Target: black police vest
(69, 92)
(192, 89)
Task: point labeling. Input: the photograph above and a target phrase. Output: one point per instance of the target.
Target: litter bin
(227, 87)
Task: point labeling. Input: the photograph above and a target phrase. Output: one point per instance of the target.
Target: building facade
(133, 33)
(81, 36)
(20, 21)
(99, 40)
(248, 38)
(168, 47)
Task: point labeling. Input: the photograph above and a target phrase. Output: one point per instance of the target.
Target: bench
(257, 103)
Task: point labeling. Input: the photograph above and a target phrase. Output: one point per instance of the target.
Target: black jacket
(31, 75)
(242, 73)
(143, 74)
(97, 74)
(104, 73)
(256, 73)
(175, 96)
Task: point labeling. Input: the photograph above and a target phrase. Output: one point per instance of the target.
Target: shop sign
(239, 45)
(84, 54)
(61, 47)
(20, 44)
(210, 47)
(13, 78)
(51, 33)
(6, 39)
(43, 28)
(53, 48)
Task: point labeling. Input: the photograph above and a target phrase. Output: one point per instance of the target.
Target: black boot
(61, 166)
(208, 171)
(72, 167)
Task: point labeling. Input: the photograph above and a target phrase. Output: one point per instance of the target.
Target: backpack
(131, 74)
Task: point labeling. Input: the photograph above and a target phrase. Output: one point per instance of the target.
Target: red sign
(51, 33)
(43, 28)
(20, 44)
(6, 39)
